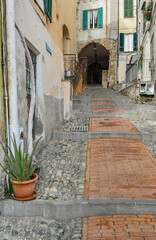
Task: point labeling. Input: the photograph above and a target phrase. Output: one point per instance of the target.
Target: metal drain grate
(79, 129)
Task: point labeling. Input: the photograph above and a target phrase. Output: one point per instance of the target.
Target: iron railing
(75, 68)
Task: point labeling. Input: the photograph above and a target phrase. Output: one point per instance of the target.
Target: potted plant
(149, 6)
(149, 10)
(18, 166)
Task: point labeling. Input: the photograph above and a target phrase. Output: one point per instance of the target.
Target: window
(128, 42)
(92, 19)
(128, 8)
(40, 3)
(48, 8)
(28, 81)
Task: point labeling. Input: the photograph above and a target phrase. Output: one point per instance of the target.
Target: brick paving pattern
(104, 99)
(125, 227)
(118, 169)
(111, 125)
(113, 111)
(103, 104)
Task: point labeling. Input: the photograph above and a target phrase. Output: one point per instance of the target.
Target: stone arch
(111, 46)
(97, 63)
(66, 40)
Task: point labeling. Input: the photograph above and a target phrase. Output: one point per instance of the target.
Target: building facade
(2, 104)
(43, 25)
(97, 33)
(127, 37)
(146, 41)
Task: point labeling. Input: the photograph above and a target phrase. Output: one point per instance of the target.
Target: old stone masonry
(97, 176)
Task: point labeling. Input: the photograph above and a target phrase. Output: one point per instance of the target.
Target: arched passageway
(97, 63)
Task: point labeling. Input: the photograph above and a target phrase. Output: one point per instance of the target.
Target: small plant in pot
(149, 8)
(18, 166)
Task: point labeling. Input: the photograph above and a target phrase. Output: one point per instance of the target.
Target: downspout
(118, 42)
(11, 63)
(3, 8)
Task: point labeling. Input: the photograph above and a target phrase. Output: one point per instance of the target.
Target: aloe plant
(18, 165)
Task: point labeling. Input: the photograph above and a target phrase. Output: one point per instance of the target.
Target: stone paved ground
(62, 170)
(126, 227)
(118, 169)
(63, 165)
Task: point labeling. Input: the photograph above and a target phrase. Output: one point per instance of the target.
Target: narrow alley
(78, 120)
(98, 155)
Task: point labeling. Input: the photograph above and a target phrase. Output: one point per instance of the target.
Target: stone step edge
(129, 116)
(77, 209)
(79, 136)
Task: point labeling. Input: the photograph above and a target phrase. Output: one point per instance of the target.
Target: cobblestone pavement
(39, 229)
(62, 177)
(62, 170)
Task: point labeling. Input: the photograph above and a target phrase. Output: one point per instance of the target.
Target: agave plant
(18, 164)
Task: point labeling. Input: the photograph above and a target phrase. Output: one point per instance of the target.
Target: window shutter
(48, 8)
(122, 42)
(128, 8)
(100, 17)
(134, 42)
(45, 6)
(85, 20)
(125, 8)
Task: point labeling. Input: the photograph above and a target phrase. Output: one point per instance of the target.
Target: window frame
(89, 18)
(131, 39)
(41, 6)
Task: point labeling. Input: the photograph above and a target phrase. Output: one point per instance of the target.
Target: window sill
(129, 17)
(39, 6)
(92, 29)
(39, 11)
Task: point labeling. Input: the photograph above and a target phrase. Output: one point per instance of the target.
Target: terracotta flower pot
(148, 13)
(24, 189)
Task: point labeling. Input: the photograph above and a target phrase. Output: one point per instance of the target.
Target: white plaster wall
(145, 37)
(50, 69)
(34, 30)
(126, 25)
(110, 16)
(122, 69)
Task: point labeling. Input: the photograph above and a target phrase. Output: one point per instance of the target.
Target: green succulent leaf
(18, 164)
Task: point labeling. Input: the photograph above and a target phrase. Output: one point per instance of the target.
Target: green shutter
(100, 17)
(128, 8)
(134, 42)
(125, 8)
(45, 6)
(85, 20)
(48, 8)
(122, 42)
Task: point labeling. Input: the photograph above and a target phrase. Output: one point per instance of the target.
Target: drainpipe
(3, 9)
(11, 62)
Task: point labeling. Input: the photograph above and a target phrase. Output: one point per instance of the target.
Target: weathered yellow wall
(66, 90)
(69, 19)
(127, 25)
(63, 13)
